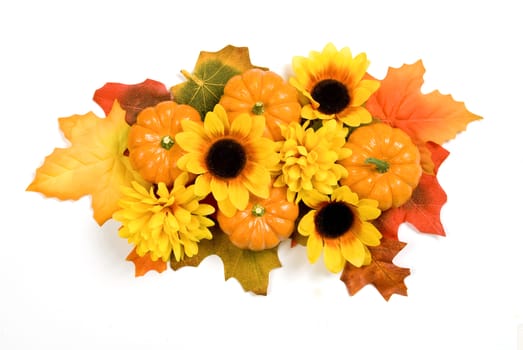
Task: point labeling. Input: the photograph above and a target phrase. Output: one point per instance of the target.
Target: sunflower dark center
(333, 220)
(332, 96)
(226, 158)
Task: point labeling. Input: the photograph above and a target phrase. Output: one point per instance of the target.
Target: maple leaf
(204, 86)
(144, 264)
(422, 210)
(132, 98)
(424, 207)
(250, 268)
(425, 117)
(94, 164)
(381, 272)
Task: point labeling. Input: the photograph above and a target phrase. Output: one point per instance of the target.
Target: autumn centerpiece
(237, 159)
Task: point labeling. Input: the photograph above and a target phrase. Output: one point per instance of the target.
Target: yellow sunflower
(309, 159)
(333, 83)
(339, 226)
(160, 221)
(231, 160)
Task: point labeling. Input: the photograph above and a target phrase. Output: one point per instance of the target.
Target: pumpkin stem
(167, 142)
(258, 108)
(192, 77)
(258, 210)
(382, 166)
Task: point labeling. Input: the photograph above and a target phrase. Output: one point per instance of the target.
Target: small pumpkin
(384, 165)
(261, 92)
(152, 149)
(263, 224)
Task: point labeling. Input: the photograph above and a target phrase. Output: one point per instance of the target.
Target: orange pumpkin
(263, 224)
(152, 150)
(384, 165)
(260, 92)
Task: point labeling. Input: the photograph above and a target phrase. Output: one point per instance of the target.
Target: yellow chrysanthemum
(309, 159)
(333, 83)
(159, 221)
(339, 226)
(231, 160)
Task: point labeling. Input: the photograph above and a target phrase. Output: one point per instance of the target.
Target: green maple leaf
(250, 268)
(204, 86)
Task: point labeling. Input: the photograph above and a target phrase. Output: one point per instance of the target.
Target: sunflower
(339, 226)
(332, 81)
(231, 160)
(160, 221)
(309, 159)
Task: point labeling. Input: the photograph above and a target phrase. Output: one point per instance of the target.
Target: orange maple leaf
(381, 272)
(425, 117)
(423, 208)
(94, 164)
(144, 264)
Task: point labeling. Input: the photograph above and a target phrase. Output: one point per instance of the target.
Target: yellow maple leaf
(94, 164)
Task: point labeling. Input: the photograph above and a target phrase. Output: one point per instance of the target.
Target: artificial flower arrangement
(237, 159)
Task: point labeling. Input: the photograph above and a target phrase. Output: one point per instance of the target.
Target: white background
(64, 281)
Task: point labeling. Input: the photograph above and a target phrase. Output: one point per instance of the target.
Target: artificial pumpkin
(152, 150)
(260, 92)
(263, 224)
(384, 165)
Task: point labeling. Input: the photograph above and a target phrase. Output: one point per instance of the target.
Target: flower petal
(352, 250)
(306, 224)
(334, 260)
(314, 247)
(189, 141)
(241, 125)
(213, 125)
(219, 189)
(368, 234)
(238, 195)
(202, 185)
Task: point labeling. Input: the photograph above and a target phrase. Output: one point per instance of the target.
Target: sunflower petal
(334, 260)
(241, 125)
(202, 185)
(314, 247)
(368, 234)
(219, 189)
(189, 141)
(213, 125)
(306, 224)
(238, 195)
(353, 250)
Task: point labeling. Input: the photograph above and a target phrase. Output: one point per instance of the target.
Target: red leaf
(438, 154)
(422, 210)
(144, 264)
(424, 207)
(381, 272)
(425, 117)
(132, 98)
(388, 223)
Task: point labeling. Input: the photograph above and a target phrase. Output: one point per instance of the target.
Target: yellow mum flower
(308, 159)
(160, 221)
(338, 226)
(231, 160)
(333, 83)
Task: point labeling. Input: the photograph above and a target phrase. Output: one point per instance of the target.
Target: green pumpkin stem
(258, 210)
(258, 108)
(382, 166)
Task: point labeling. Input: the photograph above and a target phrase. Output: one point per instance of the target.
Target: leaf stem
(192, 77)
